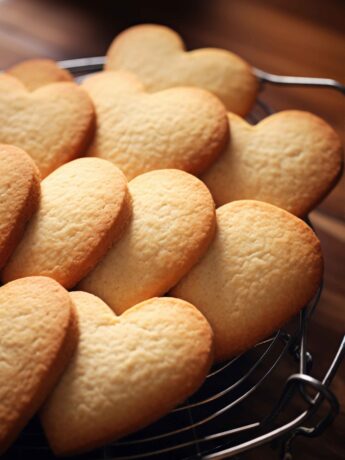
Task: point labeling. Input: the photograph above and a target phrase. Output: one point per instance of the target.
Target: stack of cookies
(146, 232)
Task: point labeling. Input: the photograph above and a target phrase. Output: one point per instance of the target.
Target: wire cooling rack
(228, 415)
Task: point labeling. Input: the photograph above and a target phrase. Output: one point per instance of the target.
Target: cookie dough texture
(84, 207)
(172, 225)
(262, 267)
(291, 159)
(53, 124)
(127, 371)
(157, 55)
(39, 333)
(183, 128)
(34, 73)
(19, 197)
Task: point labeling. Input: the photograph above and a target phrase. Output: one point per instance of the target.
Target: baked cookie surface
(53, 124)
(262, 267)
(19, 197)
(84, 207)
(157, 55)
(127, 371)
(39, 333)
(172, 225)
(34, 73)
(183, 128)
(291, 159)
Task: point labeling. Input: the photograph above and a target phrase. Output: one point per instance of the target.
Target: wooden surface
(286, 37)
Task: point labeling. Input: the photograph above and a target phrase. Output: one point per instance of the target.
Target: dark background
(280, 36)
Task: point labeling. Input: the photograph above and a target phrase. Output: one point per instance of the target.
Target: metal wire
(205, 427)
(285, 80)
(93, 64)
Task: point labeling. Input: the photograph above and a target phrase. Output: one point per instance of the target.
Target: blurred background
(285, 37)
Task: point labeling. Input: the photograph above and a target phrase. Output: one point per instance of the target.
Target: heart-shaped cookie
(35, 73)
(157, 55)
(183, 128)
(127, 372)
(19, 197)
(53, 124)
(38, 335)
(291, 159)
(172, 225)
(84, 207)
(262, 267)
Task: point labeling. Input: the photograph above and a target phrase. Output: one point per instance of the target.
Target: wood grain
(295, 38)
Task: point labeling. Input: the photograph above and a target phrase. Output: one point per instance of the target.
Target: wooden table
(296, 38)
